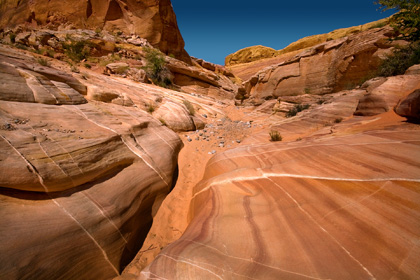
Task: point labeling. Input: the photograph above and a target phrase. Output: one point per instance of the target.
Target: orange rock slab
(332, 208)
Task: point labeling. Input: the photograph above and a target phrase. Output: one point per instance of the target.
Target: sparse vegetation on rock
(407, 20)
(189, 106)
(400, 60)
(156, 68)
(275, 136)
(298, 108)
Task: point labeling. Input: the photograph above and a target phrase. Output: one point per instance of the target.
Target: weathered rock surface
(20, 82)
(249, 54)
(175, 116)
(282, 211)
(409, 107)
(152, 20)
(80, 182)
(325, 68)
(193, 79)
(384, 94)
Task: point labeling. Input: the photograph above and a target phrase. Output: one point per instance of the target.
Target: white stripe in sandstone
(134, 150)
(41, 181)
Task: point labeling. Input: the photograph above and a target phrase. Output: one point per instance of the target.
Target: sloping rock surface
(80, 182)
(338, 199)
(332, 208)
(152, 20)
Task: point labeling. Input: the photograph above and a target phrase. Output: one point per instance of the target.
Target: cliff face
(325, 68)
(153, 20)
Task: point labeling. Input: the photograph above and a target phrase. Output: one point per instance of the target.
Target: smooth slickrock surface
(334, 208)
(80, 182)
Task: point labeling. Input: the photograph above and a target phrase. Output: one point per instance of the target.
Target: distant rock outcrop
(152, 20)
(328, 67)
(249, 54)
(255, 53)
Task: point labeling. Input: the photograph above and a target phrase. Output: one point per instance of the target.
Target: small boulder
(410, 107)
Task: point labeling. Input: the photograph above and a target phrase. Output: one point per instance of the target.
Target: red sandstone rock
(80, 183)
(327, 67)
(152, 20)
(410, 106)
(322, 209)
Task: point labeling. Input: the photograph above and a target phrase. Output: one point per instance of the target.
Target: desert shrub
(156, 68)
(74, 69)
(298, 108)
(76, 50)
(12, 37)
(88, 66)
(338, 120)
(163, 122)
(400, 60)
(42, 61)
(189, 106)
(320, 102)
(275, 136)
(150, 107)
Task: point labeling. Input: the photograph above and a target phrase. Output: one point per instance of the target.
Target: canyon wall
(325, 68)
(152, 20)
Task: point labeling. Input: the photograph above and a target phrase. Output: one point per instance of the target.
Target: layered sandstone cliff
(152, 20)
(327, 67)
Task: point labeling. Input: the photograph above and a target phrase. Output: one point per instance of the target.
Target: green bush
(156, 68)
(42, 61)
(150, 107)
(77, 50)
(407, 20)
(275, 136)
(298, 108)
(400, 60)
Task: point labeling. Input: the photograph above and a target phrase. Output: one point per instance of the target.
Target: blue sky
(214, 29)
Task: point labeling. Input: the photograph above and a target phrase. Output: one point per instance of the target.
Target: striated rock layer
(80, 181)
(328, 67)
(332, 208)
(152, 20)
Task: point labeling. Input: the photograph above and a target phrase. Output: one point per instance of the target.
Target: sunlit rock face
(341, 203)
(328, 67)
(152, 20)
(79, 180)
(337, 208)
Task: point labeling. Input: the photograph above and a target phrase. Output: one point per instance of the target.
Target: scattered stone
(7, 127)
(205, 116)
